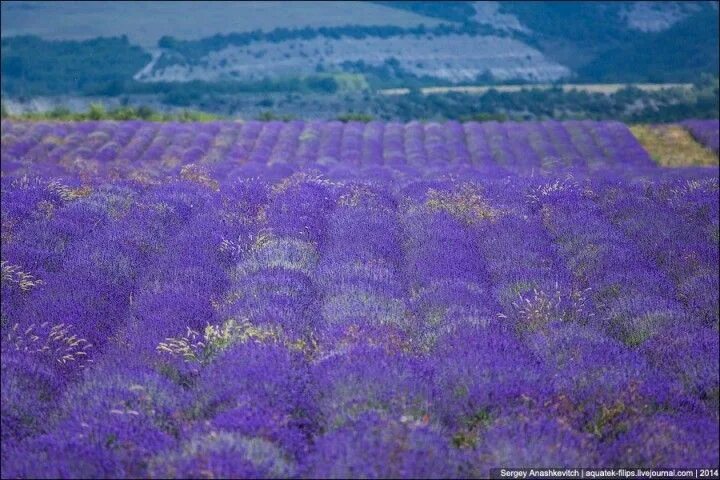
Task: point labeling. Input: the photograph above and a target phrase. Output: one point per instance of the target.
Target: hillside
(145, 23)
(388, 44)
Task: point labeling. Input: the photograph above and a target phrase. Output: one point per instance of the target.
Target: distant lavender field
(707, 132)
(319, 299)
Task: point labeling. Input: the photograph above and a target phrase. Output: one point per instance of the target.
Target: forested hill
(230, 56)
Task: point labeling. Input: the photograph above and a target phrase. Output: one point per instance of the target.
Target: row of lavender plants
(707, 132)
(141, 150)
(387, 301)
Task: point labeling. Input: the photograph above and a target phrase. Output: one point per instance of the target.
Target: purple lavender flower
(328, 299)
(706, 132)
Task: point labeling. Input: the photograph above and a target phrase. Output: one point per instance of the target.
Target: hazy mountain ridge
(594, 33)
(455, 42)
(287, 58)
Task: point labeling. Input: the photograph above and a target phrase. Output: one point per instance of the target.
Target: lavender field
(706, 132)
(326, 299)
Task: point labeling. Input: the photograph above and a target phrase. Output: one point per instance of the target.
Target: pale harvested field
(606, 88)
(673, 146)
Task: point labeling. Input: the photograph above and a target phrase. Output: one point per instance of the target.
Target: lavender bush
(353, 300)
(706, 132)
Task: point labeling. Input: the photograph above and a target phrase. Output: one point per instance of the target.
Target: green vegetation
(592, 38)
(629, 104)
(355, 117)
(105, 66)
(351, 81)
(190, 51)
(98, 112)
(589, 23)
(390, 74)
(31, 66)
(682, 52)
(453, 11)
(485, 117)
(267, 116)
(192, 93)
